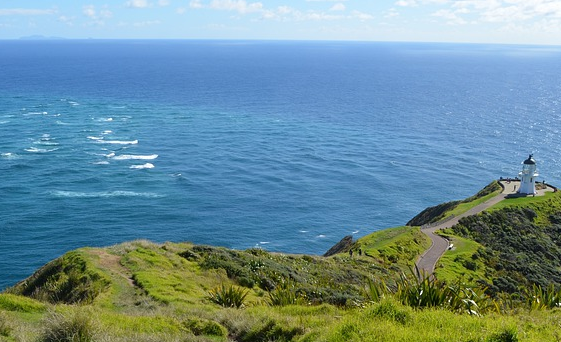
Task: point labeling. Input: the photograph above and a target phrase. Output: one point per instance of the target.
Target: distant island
(498, 281)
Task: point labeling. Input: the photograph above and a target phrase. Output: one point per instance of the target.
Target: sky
(463, 21)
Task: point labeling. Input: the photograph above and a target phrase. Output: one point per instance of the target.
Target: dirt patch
(112, 263)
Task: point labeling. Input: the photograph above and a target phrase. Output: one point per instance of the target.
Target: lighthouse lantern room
(528, 177)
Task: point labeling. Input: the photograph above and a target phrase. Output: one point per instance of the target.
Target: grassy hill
(144, 291)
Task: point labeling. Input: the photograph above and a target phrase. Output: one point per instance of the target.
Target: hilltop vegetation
(494, 286)
(520, 243)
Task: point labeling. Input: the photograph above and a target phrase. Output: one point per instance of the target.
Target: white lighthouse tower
(528, 177)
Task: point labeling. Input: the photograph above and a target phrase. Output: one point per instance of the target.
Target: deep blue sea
(288, 146)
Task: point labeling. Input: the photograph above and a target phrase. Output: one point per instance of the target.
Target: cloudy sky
(475, 21)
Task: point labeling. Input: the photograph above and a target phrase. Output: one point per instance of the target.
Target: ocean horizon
(283, 145)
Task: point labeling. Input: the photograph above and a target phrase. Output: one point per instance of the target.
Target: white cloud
(392, 12)
(137, 3)
(415, 3)
(240, 6)
(67, 20)
(147, 23)
(26, 11)
(502, 11)
(180, 10)
(338, 7)
(89, 11)
(196, 4)
(163, 3)
(362, 16)
(451, 17)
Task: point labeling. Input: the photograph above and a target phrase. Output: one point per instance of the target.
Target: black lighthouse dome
(530, 161)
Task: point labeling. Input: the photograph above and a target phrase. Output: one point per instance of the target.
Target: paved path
(427, 261)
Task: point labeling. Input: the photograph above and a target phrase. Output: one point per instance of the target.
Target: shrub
(374, 291)
(228, 297)
(12, 302)
(284, 295)
(5, 328)
(76, 328)
(200, 326)
(387, 309)
(539, 298)
(69, 279)
(508, 335)
(425, 291)
(270, 331)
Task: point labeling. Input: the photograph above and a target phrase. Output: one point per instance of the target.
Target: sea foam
(133, 157)
(104, 194)
(143, 166)
(119, 142)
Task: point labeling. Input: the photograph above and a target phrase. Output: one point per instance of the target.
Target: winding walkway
(427, 262)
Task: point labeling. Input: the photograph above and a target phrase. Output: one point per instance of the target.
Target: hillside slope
(184, 292)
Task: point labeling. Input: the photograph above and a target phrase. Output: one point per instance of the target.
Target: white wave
(4, 122)
(9, 155)
(40, 150)
(91, 137)
(134, 157)
(106, 132)
(356, 232)
(104, 194)
(46, 142)
(36, 113)
(303, 231)
(321, 236)
(143, 166)
(119, 142)
(110, 155)
(103, 162)
(58, 122)
(264, 242)
(105, 119)
(73, 103)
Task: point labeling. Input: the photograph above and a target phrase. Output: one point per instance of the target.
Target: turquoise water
(288, 146)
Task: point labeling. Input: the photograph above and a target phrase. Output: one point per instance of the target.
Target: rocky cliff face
(342, 246)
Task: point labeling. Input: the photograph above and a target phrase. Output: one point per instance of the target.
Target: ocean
(286, 146)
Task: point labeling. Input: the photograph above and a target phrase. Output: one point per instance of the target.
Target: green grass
(10, 302)
(395, 246)
(464, 207)
(144, 291)
(167, 301)
(460, 262)
(545, 205)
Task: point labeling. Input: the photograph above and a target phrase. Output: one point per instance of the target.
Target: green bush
(375, 291)
(508, 335)
(69, 279)
(270, 331)
(425, 291)
(78, 327)
(199, 326)
(388, 309)
(12, 302)
(539, 298)
(5, 328)
(228, 297)
(285, 294)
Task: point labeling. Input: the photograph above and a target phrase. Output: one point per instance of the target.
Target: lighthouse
(528, 177)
